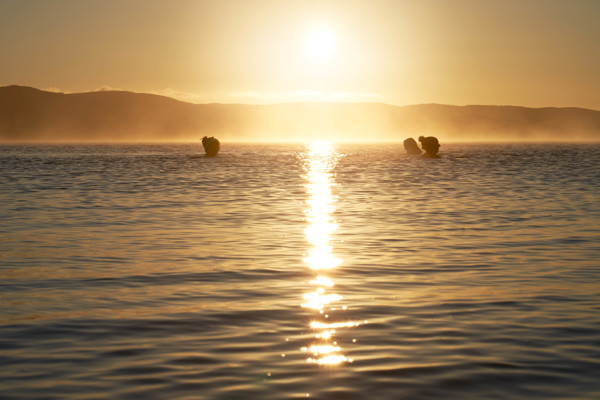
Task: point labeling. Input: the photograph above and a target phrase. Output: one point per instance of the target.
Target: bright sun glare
(320, 44)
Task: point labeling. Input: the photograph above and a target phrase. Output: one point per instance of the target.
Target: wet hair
(430, 144)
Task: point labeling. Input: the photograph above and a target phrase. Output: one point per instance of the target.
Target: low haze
(28, 114)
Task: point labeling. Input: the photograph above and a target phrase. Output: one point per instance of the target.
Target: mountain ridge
(30, 114)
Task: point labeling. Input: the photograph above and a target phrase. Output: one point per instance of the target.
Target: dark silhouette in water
(211, 146)
(431, 146)
(411, 147)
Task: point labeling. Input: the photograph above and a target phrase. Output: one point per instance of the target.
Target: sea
(293, 271)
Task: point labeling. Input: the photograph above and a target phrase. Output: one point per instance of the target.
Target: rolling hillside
(28, 114)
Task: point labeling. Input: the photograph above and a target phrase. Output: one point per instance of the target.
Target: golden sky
(520, 52)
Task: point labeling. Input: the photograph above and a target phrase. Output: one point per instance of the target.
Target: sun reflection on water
(319, 162)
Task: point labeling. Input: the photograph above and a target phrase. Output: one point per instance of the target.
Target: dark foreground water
(292, 271)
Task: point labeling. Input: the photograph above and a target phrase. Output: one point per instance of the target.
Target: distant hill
(28, 114)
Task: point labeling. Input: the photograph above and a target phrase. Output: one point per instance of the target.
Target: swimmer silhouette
(211, 146)
(411, 147)
(431, 146)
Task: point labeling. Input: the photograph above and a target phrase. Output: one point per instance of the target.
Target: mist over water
(286, 271)
(31, 115)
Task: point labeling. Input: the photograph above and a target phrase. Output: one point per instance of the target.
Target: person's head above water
(431, 146)
(411, 147)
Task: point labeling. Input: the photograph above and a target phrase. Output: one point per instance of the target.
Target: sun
(320, 44)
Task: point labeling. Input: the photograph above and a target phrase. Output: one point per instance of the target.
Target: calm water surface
(295, 271)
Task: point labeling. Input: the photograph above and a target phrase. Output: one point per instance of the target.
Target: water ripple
(148, 271)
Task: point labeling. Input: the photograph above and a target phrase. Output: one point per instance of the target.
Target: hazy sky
(522, 52)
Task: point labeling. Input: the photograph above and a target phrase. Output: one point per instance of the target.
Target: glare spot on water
(317, 301)
(319, 160)
(321, 325)
(322, 281)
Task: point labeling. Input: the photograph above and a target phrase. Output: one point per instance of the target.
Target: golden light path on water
(319, 161)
